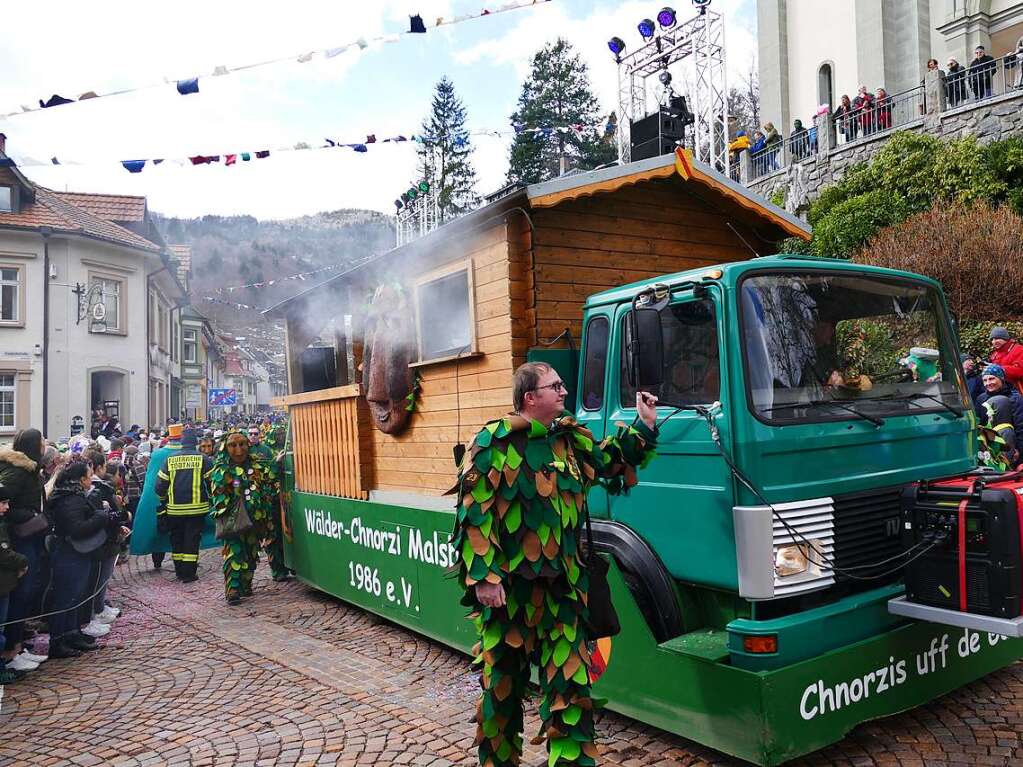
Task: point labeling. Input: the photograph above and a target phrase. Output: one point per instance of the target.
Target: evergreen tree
(445, 154)
(557, 96)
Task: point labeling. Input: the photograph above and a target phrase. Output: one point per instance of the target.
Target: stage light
(701, 6)
(412, 193)
(665, 78)
(405, 198)
(666, 17)
(398, 204)
(646, 29)
(617, 46)
(424, 187)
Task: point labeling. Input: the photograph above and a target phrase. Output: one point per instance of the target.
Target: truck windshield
(878, 346)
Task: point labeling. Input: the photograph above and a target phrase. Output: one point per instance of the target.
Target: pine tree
(445, 154)
(558, 100)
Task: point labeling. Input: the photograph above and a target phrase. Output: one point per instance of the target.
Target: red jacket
(1010, 357)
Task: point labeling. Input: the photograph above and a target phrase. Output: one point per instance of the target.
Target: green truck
(753, 564)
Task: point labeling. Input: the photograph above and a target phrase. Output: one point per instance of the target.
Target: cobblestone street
(292, 677)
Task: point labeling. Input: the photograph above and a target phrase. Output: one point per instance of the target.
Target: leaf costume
(522, 500)
(257, 481)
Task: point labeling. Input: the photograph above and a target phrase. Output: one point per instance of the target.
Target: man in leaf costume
(237, 475)
(522, 490)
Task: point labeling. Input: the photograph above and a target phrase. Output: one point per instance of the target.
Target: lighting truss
(702, 40)
(417, 217)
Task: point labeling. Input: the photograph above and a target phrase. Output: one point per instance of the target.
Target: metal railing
(982, 81)
(767, 160)
(883, 114)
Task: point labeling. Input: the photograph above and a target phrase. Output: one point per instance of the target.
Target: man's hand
(490, 594)
(646, 406)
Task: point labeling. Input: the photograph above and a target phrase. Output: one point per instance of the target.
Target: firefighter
(184, 501)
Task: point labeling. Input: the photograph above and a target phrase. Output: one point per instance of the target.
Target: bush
(852, 222)
(1005, 160)
(961, 173)
(972, 250)
(906, 166)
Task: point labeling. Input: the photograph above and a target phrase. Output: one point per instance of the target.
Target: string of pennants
(191, 85)
(609, 127)
(302, 276)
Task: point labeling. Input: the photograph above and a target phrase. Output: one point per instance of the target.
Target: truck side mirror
(645, 348)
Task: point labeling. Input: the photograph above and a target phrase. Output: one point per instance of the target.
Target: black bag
(603, 618)
(91, 545)
(37, 524)
(234, 523)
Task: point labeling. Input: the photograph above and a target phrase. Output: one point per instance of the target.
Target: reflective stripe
(188, 509)
(1001, 426)
(196, 483)
(187, 557)
(161, 475)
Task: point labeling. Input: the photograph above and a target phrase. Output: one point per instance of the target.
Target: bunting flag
(190, 85)
(361, 147)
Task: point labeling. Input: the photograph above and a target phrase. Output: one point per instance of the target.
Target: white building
(811, 52)
(77, 273)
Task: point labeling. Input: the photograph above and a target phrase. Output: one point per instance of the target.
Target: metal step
(1009, 627)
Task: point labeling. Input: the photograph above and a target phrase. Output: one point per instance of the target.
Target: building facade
(88, 294)
(812, 52)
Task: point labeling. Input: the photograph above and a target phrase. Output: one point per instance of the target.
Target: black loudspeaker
(931, 512)
(656, 134)
(318, 368)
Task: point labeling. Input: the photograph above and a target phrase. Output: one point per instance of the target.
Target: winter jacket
(1010, 357)
(771, 134)
(72, 514)
(758, 146)
(1014, 398)
(975, 386)
(11, 562)
(20, 475)
(181, 485)
(101, 491)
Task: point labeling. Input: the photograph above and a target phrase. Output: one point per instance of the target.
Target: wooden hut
(479, 293)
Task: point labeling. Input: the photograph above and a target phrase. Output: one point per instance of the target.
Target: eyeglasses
(556, 387)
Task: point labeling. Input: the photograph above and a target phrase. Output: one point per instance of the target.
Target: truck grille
(867, 529)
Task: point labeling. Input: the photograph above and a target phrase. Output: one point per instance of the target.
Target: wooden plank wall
(326, 433)
(594, 243)
(456, 398)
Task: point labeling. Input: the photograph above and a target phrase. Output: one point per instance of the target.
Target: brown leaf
(531, 546)
(560, 448)
(494, 475)
(502, 505)
(631, 480)
(512, 637)
(552, 670)
(510, 474)
(485, 506)
(571, 665)
(550, 549)
(503, 688)
(493, 577)
(559, 703)
(480, 544)
(537, 596)
(545, 483)
(591, 750)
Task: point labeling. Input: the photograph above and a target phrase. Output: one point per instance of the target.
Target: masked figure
(389, 348)
(240, 477)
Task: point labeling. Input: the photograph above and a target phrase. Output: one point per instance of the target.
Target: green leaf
(536, 429)
(497, 458)
(570, 631)
(492, 635)
(561, 652)
(581, 676)
(468, 555)
(484, 437)
(513, 517)
(513, 458)
(556, 748)
(544, 532)
(481, 491)
(538, 453)
(486, 525)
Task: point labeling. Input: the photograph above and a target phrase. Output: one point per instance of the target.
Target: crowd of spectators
(871, 112)
(996, 391)
(66, 512)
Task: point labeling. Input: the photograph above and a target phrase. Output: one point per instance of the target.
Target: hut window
(445, 316)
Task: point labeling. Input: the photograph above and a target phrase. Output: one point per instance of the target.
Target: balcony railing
(985, 81)
(883, 114)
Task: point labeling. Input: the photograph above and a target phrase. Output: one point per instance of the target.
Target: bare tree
(744, 101)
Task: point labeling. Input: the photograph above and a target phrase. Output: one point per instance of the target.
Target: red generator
(963, 542)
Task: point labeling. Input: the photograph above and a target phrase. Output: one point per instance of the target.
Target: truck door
(682, 506)
(591, 396)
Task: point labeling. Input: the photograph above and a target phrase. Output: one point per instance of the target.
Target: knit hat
(188, 438)
(6, 493)
(999, 332)
(995, 370)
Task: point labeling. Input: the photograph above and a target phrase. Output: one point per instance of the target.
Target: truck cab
(794, 407)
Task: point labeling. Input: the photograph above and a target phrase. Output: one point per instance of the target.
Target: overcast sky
(70, 47)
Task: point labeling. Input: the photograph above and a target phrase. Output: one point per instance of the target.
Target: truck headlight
(797, 559)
